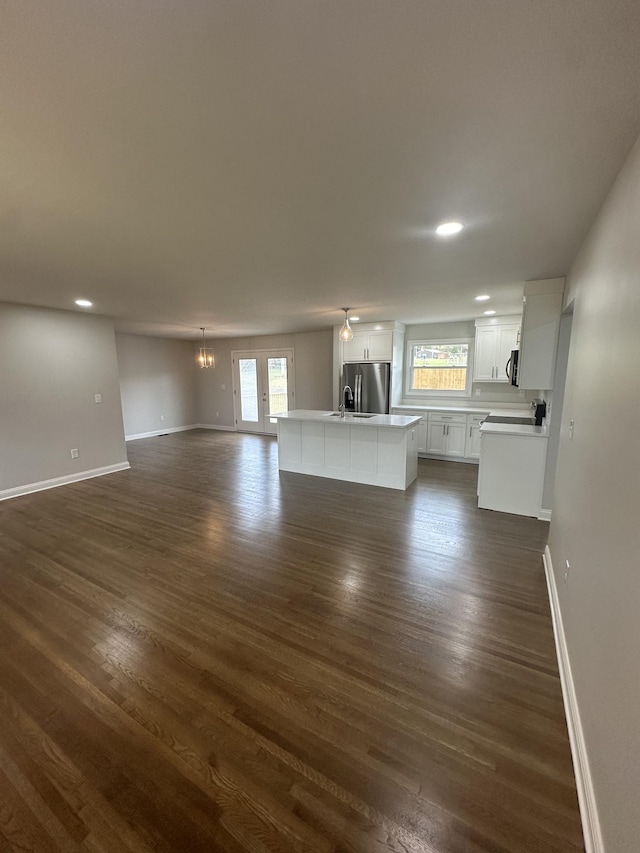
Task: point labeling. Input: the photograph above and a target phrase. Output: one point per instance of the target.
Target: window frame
(425, 392)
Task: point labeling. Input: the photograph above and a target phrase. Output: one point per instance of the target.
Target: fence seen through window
(439, 367)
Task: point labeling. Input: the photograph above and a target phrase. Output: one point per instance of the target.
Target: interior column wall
(595, 524)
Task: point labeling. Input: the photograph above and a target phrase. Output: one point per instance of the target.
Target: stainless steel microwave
(512, 367)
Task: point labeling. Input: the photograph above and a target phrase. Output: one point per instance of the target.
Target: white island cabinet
(378, 450)
(511, 475)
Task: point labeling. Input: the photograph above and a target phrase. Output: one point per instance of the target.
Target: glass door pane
(248, 370)
(277, 386)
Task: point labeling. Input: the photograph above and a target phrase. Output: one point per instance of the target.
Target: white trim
(216, 426)
(584, 783)
(137, 435)
(544, 515)
(61, 481)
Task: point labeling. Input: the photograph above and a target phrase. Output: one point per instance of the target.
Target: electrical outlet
(97, 398)
(224, 387)
(74, 453)
(520, 393)
(477, 392)
(217, 414)
(161, 417)
(566, 570)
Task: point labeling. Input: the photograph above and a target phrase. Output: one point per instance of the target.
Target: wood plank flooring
(201, 654)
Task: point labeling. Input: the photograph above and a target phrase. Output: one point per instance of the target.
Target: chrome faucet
(341, 407)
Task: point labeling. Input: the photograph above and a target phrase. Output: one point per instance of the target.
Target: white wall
(596, 517)
(51, 365)
(555, 399)
(158, 384)
(313, 353)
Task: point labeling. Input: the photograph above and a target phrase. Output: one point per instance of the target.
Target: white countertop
(514, 429)
(466, 410)
(398, 421)
(515, 412)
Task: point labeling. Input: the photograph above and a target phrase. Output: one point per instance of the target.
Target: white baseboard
(216, 426)
(136, 436)
(544, 515)
(61, 481)
(586, 794)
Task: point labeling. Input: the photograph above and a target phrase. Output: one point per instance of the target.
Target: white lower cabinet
(422, 435)
(472, 438)
(455, 436)
(511, 474)
(446, 435)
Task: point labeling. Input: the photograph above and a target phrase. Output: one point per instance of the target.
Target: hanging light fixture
(205, 353)
(346, 332)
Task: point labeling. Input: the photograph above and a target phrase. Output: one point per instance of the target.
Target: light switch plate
(97, 398)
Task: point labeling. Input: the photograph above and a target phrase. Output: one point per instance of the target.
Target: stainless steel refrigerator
(370, 386)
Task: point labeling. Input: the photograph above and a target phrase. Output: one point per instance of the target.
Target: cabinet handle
(470, 431)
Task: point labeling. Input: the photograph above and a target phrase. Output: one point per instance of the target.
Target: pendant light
(346, 332)
(205, 353)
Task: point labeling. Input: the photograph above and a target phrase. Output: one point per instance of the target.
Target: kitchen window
(439, 368)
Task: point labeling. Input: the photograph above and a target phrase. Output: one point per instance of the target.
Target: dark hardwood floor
(201, 654)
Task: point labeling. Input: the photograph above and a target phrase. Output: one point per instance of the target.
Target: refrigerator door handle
(358, 401)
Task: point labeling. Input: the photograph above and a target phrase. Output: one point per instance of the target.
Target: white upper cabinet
(495, 338)
(375, 345)
(540, 328)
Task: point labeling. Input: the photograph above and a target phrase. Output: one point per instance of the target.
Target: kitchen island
(378, 450)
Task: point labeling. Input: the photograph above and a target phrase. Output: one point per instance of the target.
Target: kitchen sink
(349, 415)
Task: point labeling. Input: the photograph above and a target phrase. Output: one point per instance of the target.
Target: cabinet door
(380, 346)
(472, 450)
(437, 438)
(484, 363)
(507, 341)
(355, 349)
(422, 436)
(456, 439)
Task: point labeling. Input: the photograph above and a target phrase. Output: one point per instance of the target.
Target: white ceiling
(253, 165)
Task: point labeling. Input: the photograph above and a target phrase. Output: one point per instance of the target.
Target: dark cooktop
(498, 419)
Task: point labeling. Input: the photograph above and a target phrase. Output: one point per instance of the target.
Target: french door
(262, 387)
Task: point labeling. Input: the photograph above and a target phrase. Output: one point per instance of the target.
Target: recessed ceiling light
(482, 298)
(446, 229)
(84, 303)
(354, 319)
(489, 312)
